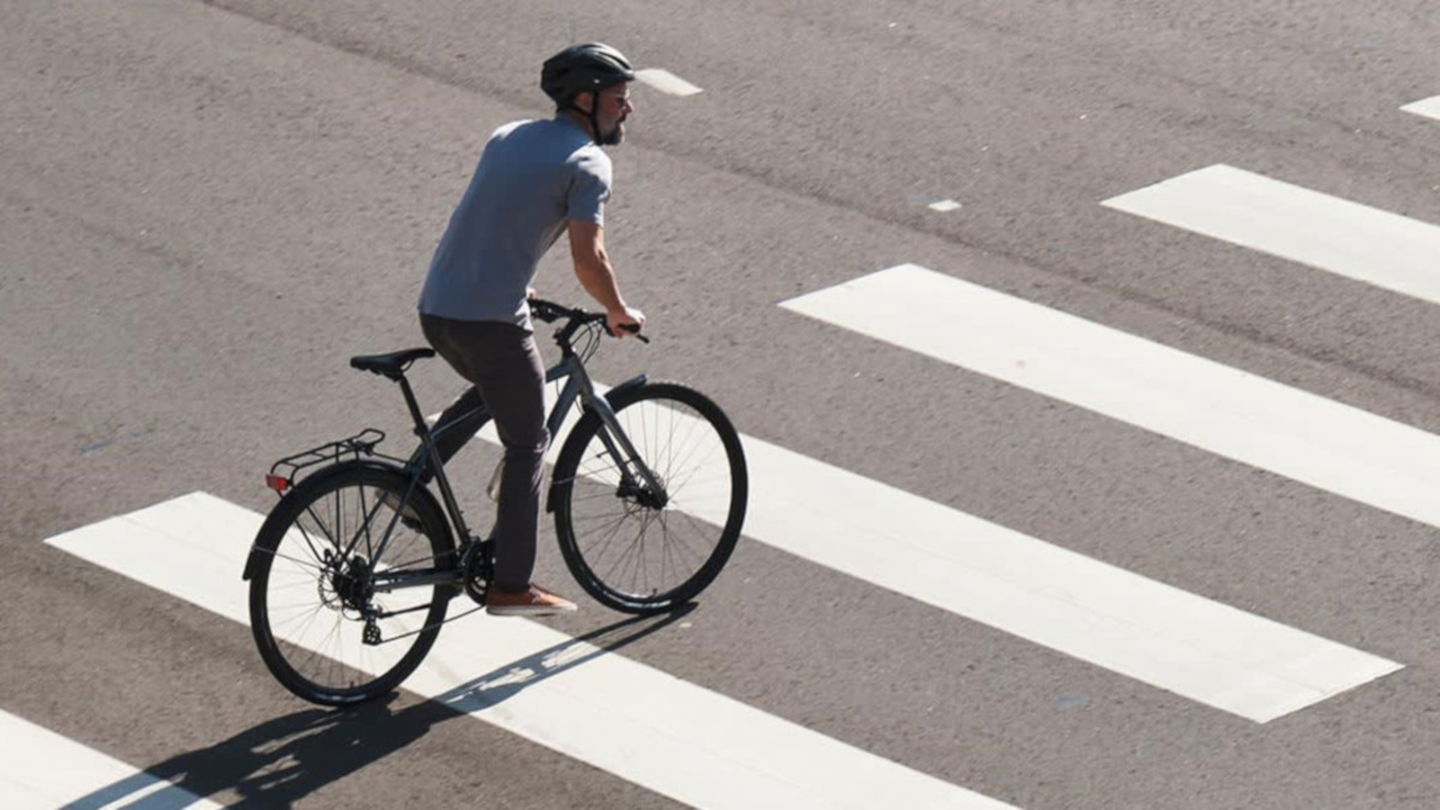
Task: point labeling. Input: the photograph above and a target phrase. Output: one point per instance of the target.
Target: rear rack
(283, 473)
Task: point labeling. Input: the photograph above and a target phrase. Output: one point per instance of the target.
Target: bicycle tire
(584, 490)
(315, 645)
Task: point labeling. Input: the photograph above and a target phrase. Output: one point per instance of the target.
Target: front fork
(618, 446)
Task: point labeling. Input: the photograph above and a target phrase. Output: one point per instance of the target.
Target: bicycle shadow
(282, 760)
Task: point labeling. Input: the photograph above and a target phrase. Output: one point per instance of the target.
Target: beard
(614, 136)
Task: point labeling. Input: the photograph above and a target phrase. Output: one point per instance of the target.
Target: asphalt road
(207, 207)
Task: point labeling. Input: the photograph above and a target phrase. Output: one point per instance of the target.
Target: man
(535, 179)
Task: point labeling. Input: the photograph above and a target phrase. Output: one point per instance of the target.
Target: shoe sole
(528, 610)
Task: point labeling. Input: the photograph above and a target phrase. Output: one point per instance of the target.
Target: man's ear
(585, 101)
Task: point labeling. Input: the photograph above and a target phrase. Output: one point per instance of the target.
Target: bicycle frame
(577, 386)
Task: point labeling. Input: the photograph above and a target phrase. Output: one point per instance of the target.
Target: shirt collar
(565, 118)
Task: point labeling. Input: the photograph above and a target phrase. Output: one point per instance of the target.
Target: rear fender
(319, 478)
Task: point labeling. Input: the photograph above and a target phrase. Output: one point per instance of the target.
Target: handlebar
(549, 312)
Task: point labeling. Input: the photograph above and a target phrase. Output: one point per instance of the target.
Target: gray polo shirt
(533, 177)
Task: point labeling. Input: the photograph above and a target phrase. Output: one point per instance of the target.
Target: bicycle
(351, 574)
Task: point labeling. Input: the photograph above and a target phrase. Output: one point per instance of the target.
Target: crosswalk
(675, 738)
(44, 770)
(708, 750)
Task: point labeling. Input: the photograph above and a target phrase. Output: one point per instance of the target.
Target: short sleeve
(589, 187)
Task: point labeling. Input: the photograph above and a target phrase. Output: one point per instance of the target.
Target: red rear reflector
(279, 483)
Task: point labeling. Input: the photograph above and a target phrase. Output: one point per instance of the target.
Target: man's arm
(597, 276)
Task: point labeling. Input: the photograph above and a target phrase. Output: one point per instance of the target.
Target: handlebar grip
(632, 328)
(546, 311)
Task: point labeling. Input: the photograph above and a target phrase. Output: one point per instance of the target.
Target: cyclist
(535, 179)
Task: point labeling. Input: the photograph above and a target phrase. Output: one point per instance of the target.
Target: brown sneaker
(534, 601)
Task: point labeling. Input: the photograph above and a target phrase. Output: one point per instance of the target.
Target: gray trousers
(501, 360)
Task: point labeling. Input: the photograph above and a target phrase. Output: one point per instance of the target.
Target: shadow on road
(277, 762)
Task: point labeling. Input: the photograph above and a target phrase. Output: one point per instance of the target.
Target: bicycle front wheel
(631, 547)
(329, 621)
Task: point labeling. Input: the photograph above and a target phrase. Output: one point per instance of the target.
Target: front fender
(634, 382)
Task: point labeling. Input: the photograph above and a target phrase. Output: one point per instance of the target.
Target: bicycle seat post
(421, 429)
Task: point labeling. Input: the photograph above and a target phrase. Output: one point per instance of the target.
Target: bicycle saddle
(391, 365)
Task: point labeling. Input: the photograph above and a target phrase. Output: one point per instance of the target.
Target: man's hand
(615, 319)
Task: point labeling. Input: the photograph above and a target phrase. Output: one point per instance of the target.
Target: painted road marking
(1429, 107)
(1160, 635)
(666, 734)
(1342, 237)
(44, 770)
(1198, 648)
(666, 82)
(1321, 442)
(1163, 636)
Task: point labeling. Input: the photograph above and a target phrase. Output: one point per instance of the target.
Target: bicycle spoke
(605, 541)
(297, 561)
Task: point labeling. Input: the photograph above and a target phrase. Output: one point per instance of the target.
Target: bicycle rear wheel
(322, 627)
(633, 549)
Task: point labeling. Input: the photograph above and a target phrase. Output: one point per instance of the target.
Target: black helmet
(581, 68)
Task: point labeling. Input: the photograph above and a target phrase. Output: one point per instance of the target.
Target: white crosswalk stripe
(43, 770)
(666, 82)
(1346, 238)
(666, 734)
(1323, 443)
(1163, 636)
(1428, 107)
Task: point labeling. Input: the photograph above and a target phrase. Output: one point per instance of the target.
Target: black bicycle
(352, 573)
